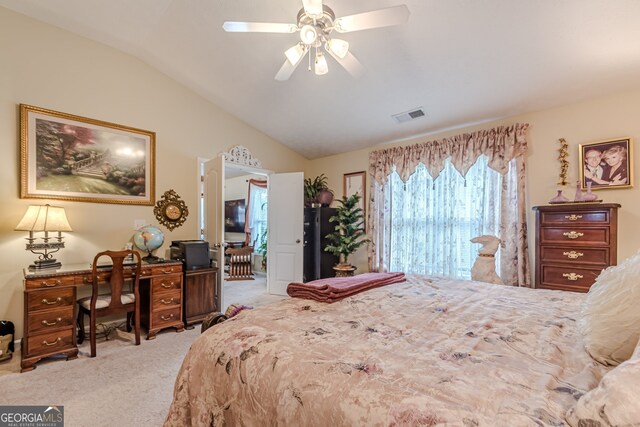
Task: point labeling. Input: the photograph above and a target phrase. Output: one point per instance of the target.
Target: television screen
(234, 216)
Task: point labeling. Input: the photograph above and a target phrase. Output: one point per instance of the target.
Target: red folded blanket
(336, 288)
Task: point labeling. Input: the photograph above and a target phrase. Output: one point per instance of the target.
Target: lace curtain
(432, 221)
(255, 225)
(503, 149)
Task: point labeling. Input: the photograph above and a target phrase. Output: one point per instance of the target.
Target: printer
(194, 254)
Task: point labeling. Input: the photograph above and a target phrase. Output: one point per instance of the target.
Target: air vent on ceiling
(413, 114)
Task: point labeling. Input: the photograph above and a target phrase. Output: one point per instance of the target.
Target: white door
(284, 239)
(214, 219)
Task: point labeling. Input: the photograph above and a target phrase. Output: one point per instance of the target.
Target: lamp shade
(321, 64)
(295, 53)
(44, 218)
(339, 47)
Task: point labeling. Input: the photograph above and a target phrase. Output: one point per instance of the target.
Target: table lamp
(39, 218)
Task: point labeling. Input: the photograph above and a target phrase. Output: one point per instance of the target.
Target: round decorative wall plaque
(170, 210)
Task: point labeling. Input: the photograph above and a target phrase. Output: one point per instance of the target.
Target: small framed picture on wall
(606, 164)
(355, 183)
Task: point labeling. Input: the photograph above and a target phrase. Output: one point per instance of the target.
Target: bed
(428, 351)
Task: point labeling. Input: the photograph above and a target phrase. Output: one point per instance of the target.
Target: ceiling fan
(316, 22)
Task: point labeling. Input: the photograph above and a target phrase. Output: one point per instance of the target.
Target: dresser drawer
(166, 283)
(50, 319)
(166, 300)
(86, 279)
(165, 317)
(574, 236)
(51, 342)
(51, 282)
(578, 218)
(50, 298)
(568, 277)
(572, 255)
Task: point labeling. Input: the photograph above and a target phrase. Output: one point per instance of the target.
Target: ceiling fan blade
(350, 63)
(313, 8)
(294, 55)
(285, 71)
(258, 27)
(375, 19)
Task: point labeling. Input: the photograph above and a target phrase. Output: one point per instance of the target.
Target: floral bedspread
(429, 351)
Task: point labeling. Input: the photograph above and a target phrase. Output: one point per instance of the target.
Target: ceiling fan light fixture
(308, 34)
(321, 67)
(295, 53)
(338, 47)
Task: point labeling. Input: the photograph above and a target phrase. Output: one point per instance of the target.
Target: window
(433, 221)
(257, 215)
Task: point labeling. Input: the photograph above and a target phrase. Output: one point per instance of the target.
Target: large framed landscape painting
(68, 157)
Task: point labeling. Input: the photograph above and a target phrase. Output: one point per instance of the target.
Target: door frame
(201, 209)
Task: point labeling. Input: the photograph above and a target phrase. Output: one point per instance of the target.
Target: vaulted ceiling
(464, 61)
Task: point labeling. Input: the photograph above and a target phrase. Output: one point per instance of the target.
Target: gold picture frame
(606, 164)
(74, 158)
(355, 182)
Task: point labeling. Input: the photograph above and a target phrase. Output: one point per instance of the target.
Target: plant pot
(344, 270)
(325, 197)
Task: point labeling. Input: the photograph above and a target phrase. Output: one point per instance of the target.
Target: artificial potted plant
(316, 191)
(349, 234)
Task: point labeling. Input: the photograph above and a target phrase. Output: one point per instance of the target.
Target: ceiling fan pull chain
(309, 69)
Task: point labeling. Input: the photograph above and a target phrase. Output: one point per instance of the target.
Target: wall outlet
(139, 223)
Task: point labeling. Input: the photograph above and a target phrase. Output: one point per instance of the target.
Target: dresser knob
(572, 276)
(573, 217)
(573, 254)
(573, 234)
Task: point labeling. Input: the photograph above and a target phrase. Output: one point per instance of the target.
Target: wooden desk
(50, 308)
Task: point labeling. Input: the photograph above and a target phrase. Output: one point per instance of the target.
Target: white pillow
(614, 402)
(610, 317)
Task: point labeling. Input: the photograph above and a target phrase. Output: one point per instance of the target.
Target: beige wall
(54, 69)
(590, 121)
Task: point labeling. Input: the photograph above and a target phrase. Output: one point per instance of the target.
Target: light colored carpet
(125, 385)
(248, 292)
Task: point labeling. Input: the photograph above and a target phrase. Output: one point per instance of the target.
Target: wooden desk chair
(240, 263)
(116, 301)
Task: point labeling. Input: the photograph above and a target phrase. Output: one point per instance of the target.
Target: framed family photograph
(355, 183)
(74, 158)
(606, 164)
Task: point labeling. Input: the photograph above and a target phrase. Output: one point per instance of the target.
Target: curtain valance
(501, 145)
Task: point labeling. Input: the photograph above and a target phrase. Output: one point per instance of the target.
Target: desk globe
(149, 238)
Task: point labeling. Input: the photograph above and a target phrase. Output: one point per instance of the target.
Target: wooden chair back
(117, 278)
(240, 263)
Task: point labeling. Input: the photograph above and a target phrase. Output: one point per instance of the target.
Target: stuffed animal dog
(484, 269)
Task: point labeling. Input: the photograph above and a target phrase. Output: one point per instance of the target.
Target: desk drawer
(165, 317)
(166, 283)
(170, 269)
(51, 282)
(578, 218)
(575, 255)
(86, 279)
(50, 298)
(166, 300)
(51, 319)
(51, 342)
(575, 236)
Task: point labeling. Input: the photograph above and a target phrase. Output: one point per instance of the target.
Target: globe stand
(152, 259)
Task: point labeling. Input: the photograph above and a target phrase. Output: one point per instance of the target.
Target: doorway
(284, 222)
(245, 236)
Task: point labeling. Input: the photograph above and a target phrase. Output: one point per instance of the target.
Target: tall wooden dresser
(574, 243)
